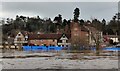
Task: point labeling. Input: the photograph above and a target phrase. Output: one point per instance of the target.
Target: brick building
(79, 34)
(52, 39)
(83, 34)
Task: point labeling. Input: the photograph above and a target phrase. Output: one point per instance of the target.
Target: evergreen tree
(76, 14)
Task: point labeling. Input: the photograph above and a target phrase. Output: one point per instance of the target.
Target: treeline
(46, 25)
(33, 24)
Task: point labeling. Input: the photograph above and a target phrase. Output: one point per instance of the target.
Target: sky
(119, 6)
(88, 10)
(60, 0)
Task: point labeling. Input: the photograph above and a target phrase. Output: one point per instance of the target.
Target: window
(64, 41)
(19, 39)
(41, 40)
(63, 36)
(86, 34)
(60, 41)
(75, 29)
(19, 34)
(66, 45)
(76, 34)
(67, 41)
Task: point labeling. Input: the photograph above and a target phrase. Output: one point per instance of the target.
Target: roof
(92, 29)
(46, 36)
(84, 29)
(15, 32)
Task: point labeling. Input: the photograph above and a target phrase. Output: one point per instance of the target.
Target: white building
(20, 39)
(63, 41)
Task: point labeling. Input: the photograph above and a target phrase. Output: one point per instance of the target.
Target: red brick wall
(78, 36)
(41, 42)
(75, 31)
(84, 38)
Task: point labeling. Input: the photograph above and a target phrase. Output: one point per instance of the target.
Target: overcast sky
(88, 10)
(59, 0)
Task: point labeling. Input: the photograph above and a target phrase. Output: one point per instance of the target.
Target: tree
(58, 21)
(97, 24)
(104, 22)
(64, 23)
(82, 22)
(97, 42)
(76, 14)
(114, 25)
(104, 26)
(60, 18)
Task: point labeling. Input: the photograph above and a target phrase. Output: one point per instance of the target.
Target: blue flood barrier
(27, 48)
(111, 49)
(44, 48)
(51, 48)
(107, 49)
(58, 48)
(34, 48)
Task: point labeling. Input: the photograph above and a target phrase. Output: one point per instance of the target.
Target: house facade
(64, 41)
(79, 35)
(93, 35)
(52, 39)
(114, 38)
(20, 39)
(84, 34)
(42, 39)
(76, 35)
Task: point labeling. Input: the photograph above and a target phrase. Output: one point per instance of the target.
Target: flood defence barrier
(42, 48)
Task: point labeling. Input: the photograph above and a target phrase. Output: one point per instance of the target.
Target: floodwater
(63, 59)
(11, 53)
(19, 59)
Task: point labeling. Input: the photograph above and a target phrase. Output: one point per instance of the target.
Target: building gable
(64, 37)
(19, 35)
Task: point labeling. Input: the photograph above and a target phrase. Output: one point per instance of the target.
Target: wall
(45, 41)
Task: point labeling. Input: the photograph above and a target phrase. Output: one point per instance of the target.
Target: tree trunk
(97, 48)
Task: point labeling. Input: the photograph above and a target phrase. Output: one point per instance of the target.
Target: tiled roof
(46, 36)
